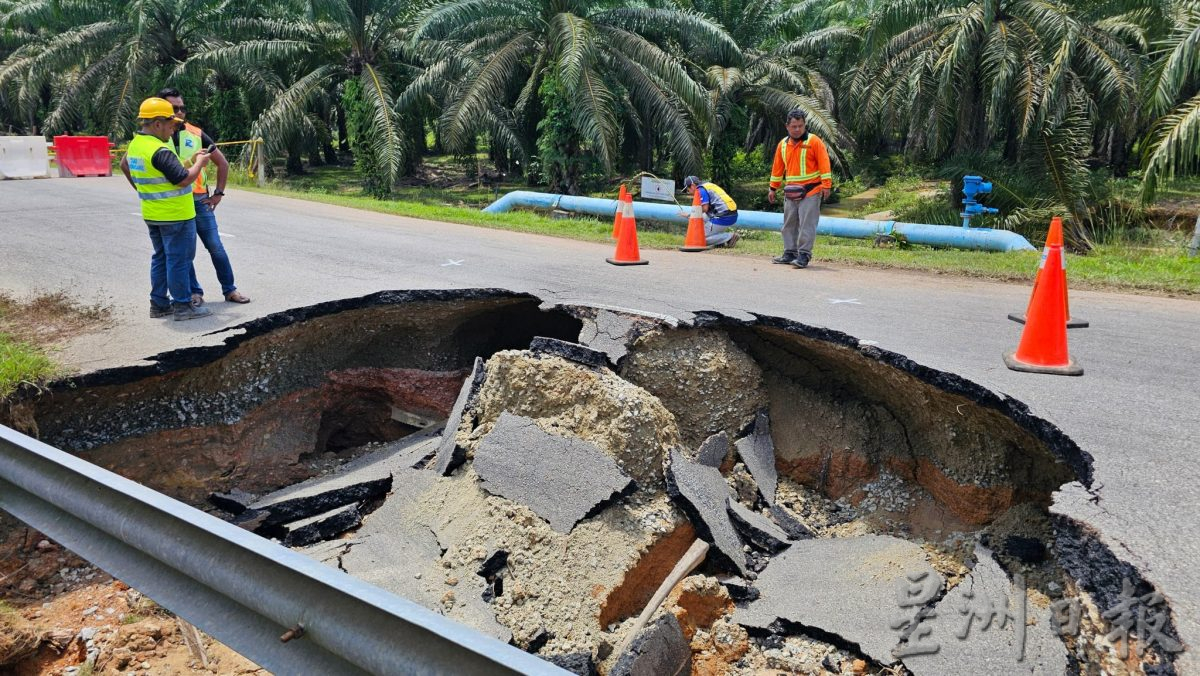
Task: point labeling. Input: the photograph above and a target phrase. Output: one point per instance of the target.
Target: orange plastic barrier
(82, 156)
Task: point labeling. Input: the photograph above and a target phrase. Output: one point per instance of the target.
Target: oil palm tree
(783, 62)
(605, 67)
(1173, 145)
(309, 55)
(98, 59)
(954, 75)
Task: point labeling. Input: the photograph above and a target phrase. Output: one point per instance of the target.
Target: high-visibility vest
(191, 140)
(729, 205)
(161, 200)
(804, 176)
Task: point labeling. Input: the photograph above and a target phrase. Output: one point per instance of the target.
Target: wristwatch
(218, 192)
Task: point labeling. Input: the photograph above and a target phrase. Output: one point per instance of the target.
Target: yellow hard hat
(155, 107)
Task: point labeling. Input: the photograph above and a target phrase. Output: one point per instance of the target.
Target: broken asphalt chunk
(714, 449)
(740, 589)
(234, 502)
(609, 333)
(325, 527)
(703, 494)
(992, 644)
(757, 528)
(570, 351)
(659, 649)
(846, 587)
(790, 523)
(294, 509)
(576, 663)
(449, 454)
(561, 479)
(758, 452)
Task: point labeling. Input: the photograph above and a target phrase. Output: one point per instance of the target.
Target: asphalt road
(1136, 409)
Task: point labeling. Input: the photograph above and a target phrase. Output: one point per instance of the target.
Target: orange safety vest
(809, 165)
(191, 138)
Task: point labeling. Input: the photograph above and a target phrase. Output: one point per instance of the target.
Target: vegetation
(1062, 104)
(30, 327)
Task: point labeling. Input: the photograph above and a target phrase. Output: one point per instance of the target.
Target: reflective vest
(161, 200)
(808, 168)
(190, 142)
(720, 202)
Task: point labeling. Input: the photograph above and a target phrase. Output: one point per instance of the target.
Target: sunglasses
(180, 109)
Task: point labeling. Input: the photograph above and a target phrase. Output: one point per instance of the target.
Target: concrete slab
(843, 586)
(609, 333)
(560, 479)
(449, 455)
(658, 650)
(756, 528)
(714, 449)
(996, 649)
(758, 452)
(703, 494)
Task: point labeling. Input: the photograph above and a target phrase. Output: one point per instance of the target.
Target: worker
(720, 212)
(164, 188)
(187, 140)
(802, 168)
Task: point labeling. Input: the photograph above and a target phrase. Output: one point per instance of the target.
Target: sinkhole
(536, 471)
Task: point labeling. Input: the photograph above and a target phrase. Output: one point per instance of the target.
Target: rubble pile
(859, 513)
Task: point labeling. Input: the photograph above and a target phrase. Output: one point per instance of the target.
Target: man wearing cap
(802, 167)
(720, 212)
(164, 189)
(187, 141)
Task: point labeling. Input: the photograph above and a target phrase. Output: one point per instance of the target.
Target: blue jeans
(174, 247)
(206, 230)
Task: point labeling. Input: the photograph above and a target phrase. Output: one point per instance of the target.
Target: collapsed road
(537, 472)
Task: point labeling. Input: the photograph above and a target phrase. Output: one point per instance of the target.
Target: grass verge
(1159, 270)
(29, 329)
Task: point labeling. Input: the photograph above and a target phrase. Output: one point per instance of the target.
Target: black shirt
(168, 163)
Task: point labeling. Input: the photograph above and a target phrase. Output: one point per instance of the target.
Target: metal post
(261, 160)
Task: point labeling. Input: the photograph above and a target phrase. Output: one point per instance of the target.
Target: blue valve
(973, 186)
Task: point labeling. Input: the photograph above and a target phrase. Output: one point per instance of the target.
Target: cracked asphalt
(1134, 410)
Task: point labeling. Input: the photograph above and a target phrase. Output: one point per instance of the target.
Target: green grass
(22, 363)
(1163, 270)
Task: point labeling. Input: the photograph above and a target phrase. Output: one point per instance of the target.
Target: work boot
(802, 260)
(236, 297)
(787, 258)
(733, 240)
(159, 311)
(186, 311)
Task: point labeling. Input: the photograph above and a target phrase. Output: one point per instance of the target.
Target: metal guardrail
(242, 589)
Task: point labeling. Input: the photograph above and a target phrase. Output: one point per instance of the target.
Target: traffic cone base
(694, 248)
(1071, 369)
(617, 262)
(1072, 322)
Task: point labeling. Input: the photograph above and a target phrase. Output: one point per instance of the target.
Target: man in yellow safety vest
(802, 167)
(187, 141)
(164, 189)
(720, 211)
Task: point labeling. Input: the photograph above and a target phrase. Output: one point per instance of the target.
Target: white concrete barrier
(24, 157)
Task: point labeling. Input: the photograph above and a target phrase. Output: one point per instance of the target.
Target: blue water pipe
(951, 236)
(972, 187)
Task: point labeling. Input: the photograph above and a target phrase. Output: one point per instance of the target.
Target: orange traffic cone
(1053, 238)
(619, 214)
(627, 244)
(695, 240)
(1043, 346)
